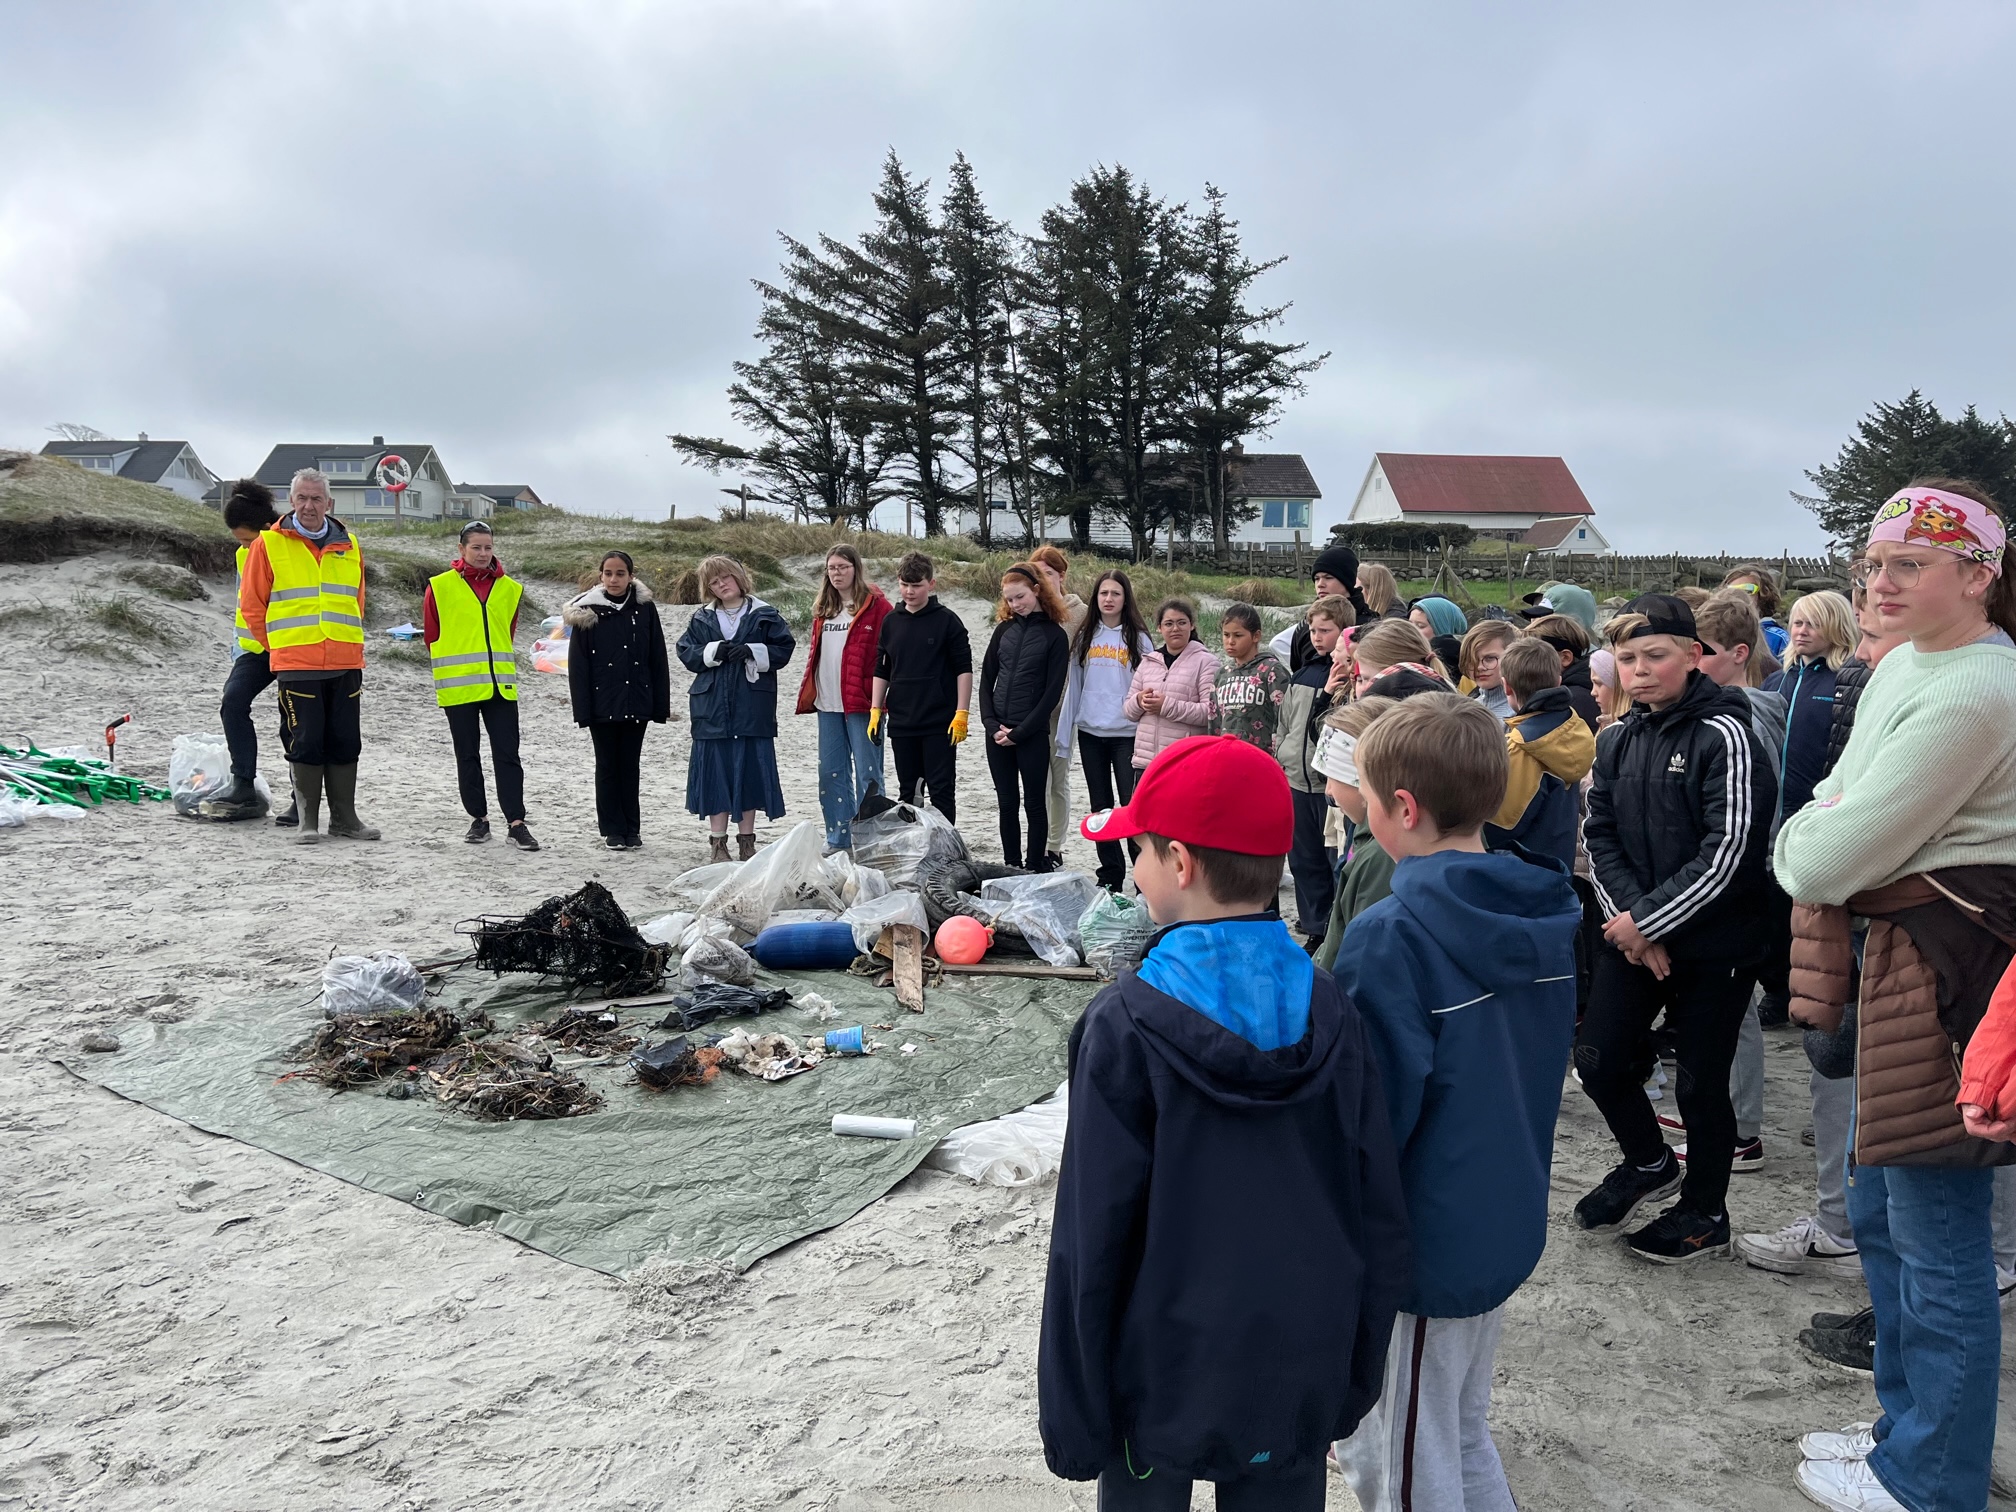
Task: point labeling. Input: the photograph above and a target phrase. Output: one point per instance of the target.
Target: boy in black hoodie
(1230, 1245)
(1679, 820)
(923, 686)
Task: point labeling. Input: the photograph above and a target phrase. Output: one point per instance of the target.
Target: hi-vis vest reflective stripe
(473, 655)
(312, 600)
(245, 641)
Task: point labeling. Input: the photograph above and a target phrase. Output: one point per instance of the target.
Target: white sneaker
(1654, 1082)
(1846, 1486)
(2005, 1282)
(1852, 1443)
(1801, 1248)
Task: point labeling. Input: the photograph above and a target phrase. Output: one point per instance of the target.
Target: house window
(334, 465)
(1581, 535)
(1272, 513)
(1298, 515)
(96, 464)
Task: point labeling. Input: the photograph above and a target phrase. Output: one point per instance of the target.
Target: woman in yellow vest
(247, 511)
(470, 617)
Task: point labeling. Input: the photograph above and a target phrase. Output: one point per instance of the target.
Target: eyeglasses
(1903, 572)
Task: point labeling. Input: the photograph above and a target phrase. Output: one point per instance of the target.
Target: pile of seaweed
(355, 1049)
(584, 939)
(500, 1079)
(435, 1051)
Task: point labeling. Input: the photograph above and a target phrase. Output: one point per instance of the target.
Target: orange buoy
(962, 941)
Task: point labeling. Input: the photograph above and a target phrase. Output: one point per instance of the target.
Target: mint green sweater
(1928, 778)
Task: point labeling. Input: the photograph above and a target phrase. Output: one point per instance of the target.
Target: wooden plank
(1016, 969)
(909, 969)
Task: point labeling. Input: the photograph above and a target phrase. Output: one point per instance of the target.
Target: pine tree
(1895, 443)
(973, 248)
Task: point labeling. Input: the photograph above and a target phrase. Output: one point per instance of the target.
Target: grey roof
(149, 461)
(281, 463)
(1274, 475)
(503, 493)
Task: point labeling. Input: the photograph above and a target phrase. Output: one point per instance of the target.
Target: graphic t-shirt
(1246, 700)
(827, 695)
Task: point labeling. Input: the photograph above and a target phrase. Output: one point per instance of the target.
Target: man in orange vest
(302, 597)
(470, 618)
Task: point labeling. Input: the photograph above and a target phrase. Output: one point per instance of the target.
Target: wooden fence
(1601, 575)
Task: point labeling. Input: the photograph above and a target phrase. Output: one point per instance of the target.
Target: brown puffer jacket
(1938, 943)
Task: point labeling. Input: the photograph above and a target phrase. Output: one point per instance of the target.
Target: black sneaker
(633, 841)
(1774, 1010)
(1851, 1350)
(292, 818)
(479, 831)
(521, 836)
(614, 842)
(1610, 1206)
(1678, 1235)
(1827, 1321)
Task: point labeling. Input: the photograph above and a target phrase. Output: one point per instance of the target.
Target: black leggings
(932, 760)
(1109, 780)
(466, 722)
(1310, 864)
(251, 675)
(324, 718)
(1028, 764)
(619, 760)
(1704, 1007)
(1299, 1490)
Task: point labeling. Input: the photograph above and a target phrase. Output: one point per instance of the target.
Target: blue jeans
(849, 765)
(1924, 1234)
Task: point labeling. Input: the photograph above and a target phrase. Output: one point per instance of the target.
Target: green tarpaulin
(730, 1171)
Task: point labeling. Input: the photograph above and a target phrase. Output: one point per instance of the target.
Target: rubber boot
(717, 848)
(308, 798)
(292, 817)
(745, 847)
(241, 800)
(343, 821)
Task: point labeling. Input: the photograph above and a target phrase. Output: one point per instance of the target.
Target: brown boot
(341, 784)
(745, 847)
(719, 851)
(308, 797)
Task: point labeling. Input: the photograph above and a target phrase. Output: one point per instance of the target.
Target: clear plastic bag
(1013, 1150)
(709, 959)
(1043, 909)
(381, 983)
(877, 914)
(690, 889)
(199, 767)
(769, 880)
(897, 841)
(1113, 932)
(842, 882)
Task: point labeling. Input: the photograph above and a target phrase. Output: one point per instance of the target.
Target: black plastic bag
(667, 1065)
(718, 1000)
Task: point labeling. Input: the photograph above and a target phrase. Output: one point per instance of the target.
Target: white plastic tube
(874, 1128)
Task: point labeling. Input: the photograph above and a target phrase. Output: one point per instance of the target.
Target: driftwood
(1017, 969)
(908, 955)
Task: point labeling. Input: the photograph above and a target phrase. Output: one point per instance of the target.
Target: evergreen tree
(1054, 380)
(1895, 443)
(973, 247)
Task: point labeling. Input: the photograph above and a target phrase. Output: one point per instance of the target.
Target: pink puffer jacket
(1187, 688)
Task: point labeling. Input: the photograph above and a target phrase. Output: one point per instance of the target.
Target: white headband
(1336, 756)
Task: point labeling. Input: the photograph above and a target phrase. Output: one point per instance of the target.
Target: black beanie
(1341, 562)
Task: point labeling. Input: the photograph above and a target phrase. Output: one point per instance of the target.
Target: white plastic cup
(861, 1127)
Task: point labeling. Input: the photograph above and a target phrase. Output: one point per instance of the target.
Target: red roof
(1425, 484)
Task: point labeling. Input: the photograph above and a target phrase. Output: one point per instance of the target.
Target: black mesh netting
(584, 938)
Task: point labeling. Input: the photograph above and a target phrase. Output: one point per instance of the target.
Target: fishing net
(595, 1031)
(353, 1049)
(584, 938)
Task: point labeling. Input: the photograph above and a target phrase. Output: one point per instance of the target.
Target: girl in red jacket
(839, 684)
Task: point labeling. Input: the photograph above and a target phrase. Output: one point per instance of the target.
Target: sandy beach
(193, 1323)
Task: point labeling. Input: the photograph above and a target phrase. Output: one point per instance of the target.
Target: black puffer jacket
(1022, 676)
(616, 667)
(1679, 824)
(1848, 685)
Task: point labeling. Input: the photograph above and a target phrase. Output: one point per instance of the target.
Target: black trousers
(1026, 766)
(466, 722)
(1704, 1006)
(934, 760)
(619, 761)
(1123, 1489)
(324, 718)
(1310, 864)
(251, 675)
(1109, 780)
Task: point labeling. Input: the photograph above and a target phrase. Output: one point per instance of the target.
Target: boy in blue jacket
(1466, 980)
(1229, 1244)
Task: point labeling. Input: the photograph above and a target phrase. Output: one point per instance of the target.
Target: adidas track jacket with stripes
(1679, 824)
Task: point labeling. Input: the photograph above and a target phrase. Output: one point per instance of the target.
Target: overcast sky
(1684, 247)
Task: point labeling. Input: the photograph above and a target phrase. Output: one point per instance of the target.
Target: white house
(503, 496)
(172, 465)
(1499, 497)
(352, 471)
(1566, 535)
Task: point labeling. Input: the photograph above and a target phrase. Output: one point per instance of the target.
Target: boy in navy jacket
(1229, 1244)
(1466, 980)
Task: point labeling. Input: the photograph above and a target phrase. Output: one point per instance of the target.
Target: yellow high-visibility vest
(245, 641)
(314, 599)
(473, 657)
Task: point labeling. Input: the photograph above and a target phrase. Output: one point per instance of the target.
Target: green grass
(50, 509)
(165, 580)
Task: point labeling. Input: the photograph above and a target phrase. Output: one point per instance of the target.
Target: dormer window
(342, 466)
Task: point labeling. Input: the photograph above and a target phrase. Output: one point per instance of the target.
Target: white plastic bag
(690, 889)
(1044, 909)
(381, 983)
(1113, 931)
(1013, 1150)
(770, 879)
(18, 811)
(666, 928)
(199, 767)
(842, 883)
(897, 841)
(872, 917)
(709, 959)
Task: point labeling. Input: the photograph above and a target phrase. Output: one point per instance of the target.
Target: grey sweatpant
(1427, 1444)
(1059, 794)
(1746, 1077)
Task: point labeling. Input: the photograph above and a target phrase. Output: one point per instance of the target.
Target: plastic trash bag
(18, 811)
(199, 767)
(718, 1000)
(769, 880)
(842, 882)
(1113, 932)
(802, 916)
(381, 983)
(877, 914)
(897, 838)
(709, 960)
(692, 888)
(1044, 909)
(1013, 1150)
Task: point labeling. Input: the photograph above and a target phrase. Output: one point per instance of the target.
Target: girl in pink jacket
(1171, 692)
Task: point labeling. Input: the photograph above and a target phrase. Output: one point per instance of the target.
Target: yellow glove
(957, 729)
(874, 722)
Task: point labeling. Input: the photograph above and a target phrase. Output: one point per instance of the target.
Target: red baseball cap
(1213, 791)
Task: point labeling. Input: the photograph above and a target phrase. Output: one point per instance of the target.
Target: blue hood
(1247, 975)
(1444, 615)
(1465, 978)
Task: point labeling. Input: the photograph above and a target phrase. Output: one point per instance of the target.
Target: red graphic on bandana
(1934, 522)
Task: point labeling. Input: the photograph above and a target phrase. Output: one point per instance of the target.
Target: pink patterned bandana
(1946, 520)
